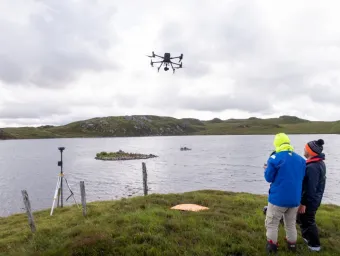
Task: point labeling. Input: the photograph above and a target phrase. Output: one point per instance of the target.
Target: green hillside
(233, 225)
(150, 125)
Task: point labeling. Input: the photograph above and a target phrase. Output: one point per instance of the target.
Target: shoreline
(156, 136)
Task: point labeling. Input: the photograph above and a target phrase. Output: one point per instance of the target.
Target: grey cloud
(10, 71)
(31, 110)
(225, 102)
(325, 93)
(165, 97)
(243, 38)
(243, 34)
(172, 38)
(127, 100)
(265, 59)
(57, 44)
(49, 106)
(204, 41)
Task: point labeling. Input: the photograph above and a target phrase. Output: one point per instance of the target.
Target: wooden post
(83, 196)
(145, 179)
(28, 210)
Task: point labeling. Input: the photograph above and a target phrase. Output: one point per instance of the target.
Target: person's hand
(264, 166)
(302, 209)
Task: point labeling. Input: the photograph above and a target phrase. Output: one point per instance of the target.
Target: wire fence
(58, 199)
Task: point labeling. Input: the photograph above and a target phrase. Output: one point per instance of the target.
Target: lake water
(232, 163)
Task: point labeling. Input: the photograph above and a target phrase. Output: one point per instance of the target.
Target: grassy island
(233, 225)
(121, 155)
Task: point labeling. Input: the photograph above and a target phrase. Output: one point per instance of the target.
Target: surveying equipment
(58, 194)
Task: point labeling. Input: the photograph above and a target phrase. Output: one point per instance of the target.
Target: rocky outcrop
(121, 155)
(143, 125)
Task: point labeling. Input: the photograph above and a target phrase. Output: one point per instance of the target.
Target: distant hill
(5, 135)
(151, 125)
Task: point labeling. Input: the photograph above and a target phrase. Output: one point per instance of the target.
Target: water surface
(231, 163)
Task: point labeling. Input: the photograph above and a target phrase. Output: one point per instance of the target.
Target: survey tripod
(58, 194)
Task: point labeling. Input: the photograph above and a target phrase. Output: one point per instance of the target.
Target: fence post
(83, 196)
(145, 179)
(28, 210)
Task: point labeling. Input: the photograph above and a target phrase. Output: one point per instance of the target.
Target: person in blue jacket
(285, 170)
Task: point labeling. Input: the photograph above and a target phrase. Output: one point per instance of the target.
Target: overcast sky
(67, 60)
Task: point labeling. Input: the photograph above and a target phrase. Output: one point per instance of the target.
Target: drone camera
(166, 68)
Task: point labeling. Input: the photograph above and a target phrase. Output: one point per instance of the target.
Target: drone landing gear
(166, 66)
(174, 68)
(160, 66)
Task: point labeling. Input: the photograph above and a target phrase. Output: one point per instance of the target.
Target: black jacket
(314, 183)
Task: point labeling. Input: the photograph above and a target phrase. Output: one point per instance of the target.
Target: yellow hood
(282, 143)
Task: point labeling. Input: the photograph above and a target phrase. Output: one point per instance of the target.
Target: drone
(167, 61)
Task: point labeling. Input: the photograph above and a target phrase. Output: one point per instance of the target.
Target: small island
(121, 155)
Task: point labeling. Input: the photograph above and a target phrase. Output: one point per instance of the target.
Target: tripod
(58, 194)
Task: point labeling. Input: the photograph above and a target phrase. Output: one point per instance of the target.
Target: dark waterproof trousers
(309, 230)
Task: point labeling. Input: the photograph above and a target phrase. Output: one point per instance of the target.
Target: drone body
(167, 60)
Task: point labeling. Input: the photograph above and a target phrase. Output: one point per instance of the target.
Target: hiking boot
(314, 248)
(291, 246)
(311, 248)
(271, 248)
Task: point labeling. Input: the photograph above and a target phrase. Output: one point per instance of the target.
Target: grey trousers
(273, 217)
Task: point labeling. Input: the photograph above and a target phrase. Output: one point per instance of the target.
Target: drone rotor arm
(175, 63)
(179, 57)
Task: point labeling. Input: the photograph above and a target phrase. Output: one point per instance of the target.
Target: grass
(149, 125)
(234, 225)
(121, 155)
